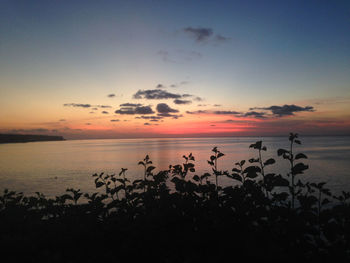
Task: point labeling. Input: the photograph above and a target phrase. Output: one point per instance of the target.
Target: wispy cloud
(220, 38)
(86, 105)
(179, 56)
(135, 110)
(77, 105)
(111, 95)
(285, 110)
(159, 94)
(103, 106)
(155, 94)
(254, 114)
(149, 117)
(197, 112)
(204, 34)
(174, 116)
(130, 105)
(182, 102)
(227, 112)
(200, 34)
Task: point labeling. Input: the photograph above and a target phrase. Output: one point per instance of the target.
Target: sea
(52, 167)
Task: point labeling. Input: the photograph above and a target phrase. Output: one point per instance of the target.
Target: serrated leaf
(281, 151)
(150, 168)
(220, 155)
(196, 178)
(99, 184)
(300, 156)
(269, 161)
(299, 168)
(236, 170)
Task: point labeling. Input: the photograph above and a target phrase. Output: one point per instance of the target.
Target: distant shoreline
(22, 138)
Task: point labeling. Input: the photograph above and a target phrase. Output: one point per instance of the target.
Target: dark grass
(178, 216)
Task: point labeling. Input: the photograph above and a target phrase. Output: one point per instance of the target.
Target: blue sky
(239, 54)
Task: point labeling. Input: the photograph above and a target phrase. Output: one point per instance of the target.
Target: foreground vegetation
(178, 216)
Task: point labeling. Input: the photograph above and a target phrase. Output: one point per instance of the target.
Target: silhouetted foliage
(176, 215)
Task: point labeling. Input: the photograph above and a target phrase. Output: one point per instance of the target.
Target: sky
(133, 69)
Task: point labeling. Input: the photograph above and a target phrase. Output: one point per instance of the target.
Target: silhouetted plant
(214, 163)
(295, 169)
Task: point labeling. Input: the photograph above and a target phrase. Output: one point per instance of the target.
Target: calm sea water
(51, 167)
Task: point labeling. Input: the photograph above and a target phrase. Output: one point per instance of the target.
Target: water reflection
(50, 167)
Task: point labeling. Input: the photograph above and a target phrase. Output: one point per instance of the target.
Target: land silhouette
(20, 138)
(175, 215)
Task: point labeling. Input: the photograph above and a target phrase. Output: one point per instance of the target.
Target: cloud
(203, 34)
(149, 124)
(155, 94)
(178, 101)
(226, 112)
(237, 121)
(165, 56)
(62, 120)
(198, 99)
(105, 112)
(88, 123)
(81, 105)
(103, 106)
(111, 95)
(200, 34)
(217, 105)
(220, 38)
(258, 115)
(285, 110)
(175, 85)
(115, 120)
(149, 117)
(187, 56)
(165, 111)
(179, 56)
(174, 116)
(196, 112)
(77, 105)
(130, 105)
(160, 86)
(164, 108)
(135, 110)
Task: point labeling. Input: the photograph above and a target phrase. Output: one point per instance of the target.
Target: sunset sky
(128, 69)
